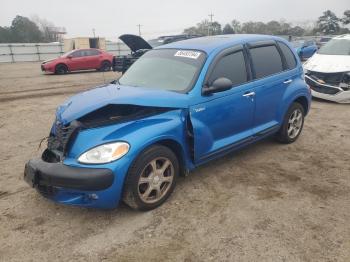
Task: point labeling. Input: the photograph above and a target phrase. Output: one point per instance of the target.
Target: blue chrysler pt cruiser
(177, 107)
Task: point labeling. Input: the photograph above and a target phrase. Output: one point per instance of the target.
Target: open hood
(328, 63)
(86, 102)
(135, 42)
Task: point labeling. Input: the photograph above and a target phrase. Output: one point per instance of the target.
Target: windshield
(336, 47)
(68, 53)
(166, 69)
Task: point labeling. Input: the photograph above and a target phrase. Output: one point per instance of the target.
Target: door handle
(288, 81)
(249, 94)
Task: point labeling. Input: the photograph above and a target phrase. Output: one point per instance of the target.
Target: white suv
(328, 71)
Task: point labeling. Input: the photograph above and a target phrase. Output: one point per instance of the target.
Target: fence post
(37, 49)
(11, 53)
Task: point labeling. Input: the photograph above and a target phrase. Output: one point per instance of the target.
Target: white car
(328, 71)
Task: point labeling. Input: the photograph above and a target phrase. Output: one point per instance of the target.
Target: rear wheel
(105, 66)
(292, 125)
(61, 69)
(151, 179)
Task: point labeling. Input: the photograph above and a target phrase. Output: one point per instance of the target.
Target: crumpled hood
(328, 63)
(91, 100)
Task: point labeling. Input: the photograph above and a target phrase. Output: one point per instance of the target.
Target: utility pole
(211, 22)
(93, 32)
(139, 26)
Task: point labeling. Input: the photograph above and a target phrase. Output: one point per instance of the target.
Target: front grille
(62, 136)
(329, 78)
(321, 88)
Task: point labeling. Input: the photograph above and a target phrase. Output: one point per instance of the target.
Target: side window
(232, 67)
(85, 53)
(93, 52)
(266, 61)
(289, 56)
(77, 54)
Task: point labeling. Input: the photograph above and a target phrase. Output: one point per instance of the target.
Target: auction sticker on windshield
(188, 54)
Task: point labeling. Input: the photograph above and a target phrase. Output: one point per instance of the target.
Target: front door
(77, 61)
(224, 120)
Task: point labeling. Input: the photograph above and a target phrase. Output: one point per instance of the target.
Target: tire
(61, 69)
(292, 124)
(105, 66)
(145, 189)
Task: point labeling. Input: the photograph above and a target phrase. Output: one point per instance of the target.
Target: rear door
(271, 78)
(92, 59)
(224, 120)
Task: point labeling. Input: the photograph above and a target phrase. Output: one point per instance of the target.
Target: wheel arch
(304, 102)
(176, 147)
(61, 64)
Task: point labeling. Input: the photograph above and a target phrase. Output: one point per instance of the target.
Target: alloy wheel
(295, 123)
(156, 180)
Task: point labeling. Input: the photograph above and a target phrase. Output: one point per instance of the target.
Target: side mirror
(219, 85)
(70, 56)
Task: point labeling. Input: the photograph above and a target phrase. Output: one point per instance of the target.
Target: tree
(46, 27)
(228, 30)
(236, 25)
(273, 28)
(5, 35)
(204, 28)
(346, 17)
(215, 28)
(191, 30)
(296, 31)
(25, 31)
(328, 23)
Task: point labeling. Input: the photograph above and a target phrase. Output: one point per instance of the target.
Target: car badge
(321, 81)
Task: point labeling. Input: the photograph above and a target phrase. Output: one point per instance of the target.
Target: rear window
(232, 67)
(289, 56)
(266, 61)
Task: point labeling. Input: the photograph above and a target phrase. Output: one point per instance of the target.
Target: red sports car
(81, 59)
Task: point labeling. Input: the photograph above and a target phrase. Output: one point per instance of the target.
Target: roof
(211, 43)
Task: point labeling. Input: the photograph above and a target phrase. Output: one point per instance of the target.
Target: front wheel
(151, 178)
(61, 69)
(292, 124)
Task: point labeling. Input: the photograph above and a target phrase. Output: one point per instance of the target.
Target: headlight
(104, 153)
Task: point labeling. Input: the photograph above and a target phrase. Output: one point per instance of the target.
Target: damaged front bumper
(327, 91)
(68, 184)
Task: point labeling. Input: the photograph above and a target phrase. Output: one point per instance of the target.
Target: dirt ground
(268, 202)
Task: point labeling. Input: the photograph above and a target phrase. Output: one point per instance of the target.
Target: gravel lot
(268, 202)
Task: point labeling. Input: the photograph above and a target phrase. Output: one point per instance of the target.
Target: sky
(111, 18)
